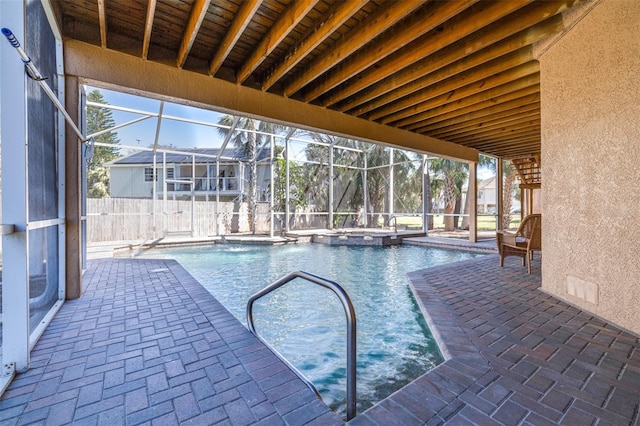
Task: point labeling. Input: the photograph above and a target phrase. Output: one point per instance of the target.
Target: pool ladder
(351, 331)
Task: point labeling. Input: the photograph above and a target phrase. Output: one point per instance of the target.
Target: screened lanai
(415, 80)
(176, 169)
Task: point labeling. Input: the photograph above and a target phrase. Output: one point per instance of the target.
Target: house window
(148, 174)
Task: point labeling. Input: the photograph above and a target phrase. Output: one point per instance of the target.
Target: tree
(407, 181)
(345, 181)
(377, 183)
(248, 142)
(99, 119)
(296, 183)
(509, 174)
(452, 173)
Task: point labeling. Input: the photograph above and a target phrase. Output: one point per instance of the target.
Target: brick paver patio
(147, 344)
(517, 356)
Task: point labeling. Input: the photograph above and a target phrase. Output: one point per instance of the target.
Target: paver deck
(516, 355)
(147, 344)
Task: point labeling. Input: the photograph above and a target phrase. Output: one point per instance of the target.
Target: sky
(172, 132)
(176, 133)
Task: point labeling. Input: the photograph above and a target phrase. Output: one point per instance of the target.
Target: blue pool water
(306, 323)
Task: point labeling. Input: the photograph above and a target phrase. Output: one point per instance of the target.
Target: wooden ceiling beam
(477, 111)
(335, 17)
(516, 137)
(403, 34)
(529, 142)
(452, 91)
(437, 83)
(534, 19)
(437, 67)
(516, 125)
(148, 26)
(240, 21)
(502, 139)
(514, 152)
(510, 152)
(102, 18)
(512, 119)
(417, 54)
(513, 110)
(198, 11)
(485, 95)
(296, 11)
(375, 24)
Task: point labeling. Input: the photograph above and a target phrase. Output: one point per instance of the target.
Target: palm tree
(407, 178)
(346, 182)
(247, 142)
(509, 173)
(377, 183)
(452, 172)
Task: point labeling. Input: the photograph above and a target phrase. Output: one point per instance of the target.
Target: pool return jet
(35, 75)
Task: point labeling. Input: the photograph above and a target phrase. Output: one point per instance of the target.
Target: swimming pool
(306, 323)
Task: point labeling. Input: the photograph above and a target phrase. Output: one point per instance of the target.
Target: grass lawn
(485, 222)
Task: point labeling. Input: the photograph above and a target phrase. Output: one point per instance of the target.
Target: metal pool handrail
(351, 330)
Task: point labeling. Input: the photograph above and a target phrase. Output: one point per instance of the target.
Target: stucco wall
(590, 83)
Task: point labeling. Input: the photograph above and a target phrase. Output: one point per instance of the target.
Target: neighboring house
(487, 196)
(178, 174)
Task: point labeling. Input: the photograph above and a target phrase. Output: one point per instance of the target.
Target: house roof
(487, 183)
(462, 71)
(202, 155)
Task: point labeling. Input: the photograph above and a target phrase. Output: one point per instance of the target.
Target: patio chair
(522, 243)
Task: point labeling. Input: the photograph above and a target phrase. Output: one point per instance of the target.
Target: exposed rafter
(411, 28)
(336, 17)
(521, 114)
(450, 31)
(102, 18)
(196, 16)
(247, 9)
(411, 94)
(148, 26)
(448, 114)
(452, 91)
(388, 15)
(466, 95)
(288, 20)
(452, 60)
(463, 71)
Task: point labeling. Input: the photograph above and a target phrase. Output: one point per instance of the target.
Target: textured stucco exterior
(590, 83)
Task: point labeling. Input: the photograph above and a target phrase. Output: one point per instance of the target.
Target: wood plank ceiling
(463, 71)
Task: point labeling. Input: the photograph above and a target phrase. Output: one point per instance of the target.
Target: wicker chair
(522, 243)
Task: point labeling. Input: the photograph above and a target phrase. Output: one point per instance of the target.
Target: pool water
(306, 323)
